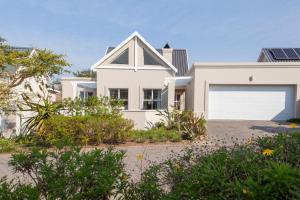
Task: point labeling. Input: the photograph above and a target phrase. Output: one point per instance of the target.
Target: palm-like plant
(186, 122)
(42, 111)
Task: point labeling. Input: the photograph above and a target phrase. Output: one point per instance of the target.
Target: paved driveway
(231, 130)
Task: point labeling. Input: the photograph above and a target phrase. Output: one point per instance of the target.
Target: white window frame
(119, 96)
(157, 63)
(121, 54)
(152, 99)
(85, 94)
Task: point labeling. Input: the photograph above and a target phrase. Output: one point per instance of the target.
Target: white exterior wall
(70, 88)
(12, 124)
(134, 81)
(206, 74)
(142, 118)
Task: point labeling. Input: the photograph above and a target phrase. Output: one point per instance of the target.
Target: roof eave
(135, 34)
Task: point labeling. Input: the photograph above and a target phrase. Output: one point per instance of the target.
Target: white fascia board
(179, 80)
(246, 64)
(135, 34)
(156, 52)
(116, 67)
(133, 67)
(113, 51)
(153, 68)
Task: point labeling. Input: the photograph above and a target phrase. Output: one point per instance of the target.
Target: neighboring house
(11, 124)
(148, 79)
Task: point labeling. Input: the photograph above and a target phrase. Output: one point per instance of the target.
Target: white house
(148, 79)
(12, 123)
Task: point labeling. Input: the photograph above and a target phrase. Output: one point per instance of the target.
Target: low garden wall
(142, 118)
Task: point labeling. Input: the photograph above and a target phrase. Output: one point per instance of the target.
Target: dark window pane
(147, 94)
(82, 95)
(156, 105)
(89, 94)
(156, 94)
(149, 59)
(122, 59)
(113, 93)
(123, 94)
(125, 103)
(148, 105)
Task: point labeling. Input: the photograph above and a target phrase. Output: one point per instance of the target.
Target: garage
(251, 102)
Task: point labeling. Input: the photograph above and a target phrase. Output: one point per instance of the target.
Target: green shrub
(285, 148)
(294, 120)
(92, 106)
(86, 129)
(7, 145)
(11, 191)
(186, 122)
(66, 174)
(154, 135)
(253, 171)
(277, 181)
(95, 106)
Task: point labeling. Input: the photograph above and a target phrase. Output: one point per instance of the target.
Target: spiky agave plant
(41, 112)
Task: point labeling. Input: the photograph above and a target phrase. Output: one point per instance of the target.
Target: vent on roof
(285, 54)
(167, 46)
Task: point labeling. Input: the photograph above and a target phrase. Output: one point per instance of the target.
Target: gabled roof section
(179, 59)
(279, 55)
(132, 36)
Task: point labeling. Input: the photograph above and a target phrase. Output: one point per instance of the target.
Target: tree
(85, 73)
(16, 66)
(2, 39)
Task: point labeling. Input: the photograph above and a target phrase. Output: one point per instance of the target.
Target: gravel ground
(219, 133)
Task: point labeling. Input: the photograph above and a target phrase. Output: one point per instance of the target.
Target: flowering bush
(268, 169)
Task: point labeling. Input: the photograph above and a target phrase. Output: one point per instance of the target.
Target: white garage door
(250, 102)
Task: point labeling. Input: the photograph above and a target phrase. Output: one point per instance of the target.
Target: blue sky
(211, 30)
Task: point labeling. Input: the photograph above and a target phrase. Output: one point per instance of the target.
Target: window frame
(125, 106)
(177, 102)
(85, 94)
(121, 54)
(152, 99)
(155, 62)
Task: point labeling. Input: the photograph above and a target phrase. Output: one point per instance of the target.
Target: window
(177, 102)
(121, 94)
(122, 58)
(84, 95)
(152, 99)
(149, 59)
(89, 94)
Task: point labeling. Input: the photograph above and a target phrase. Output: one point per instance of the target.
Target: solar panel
(278, 54)
(297, 51)
(291, 54)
